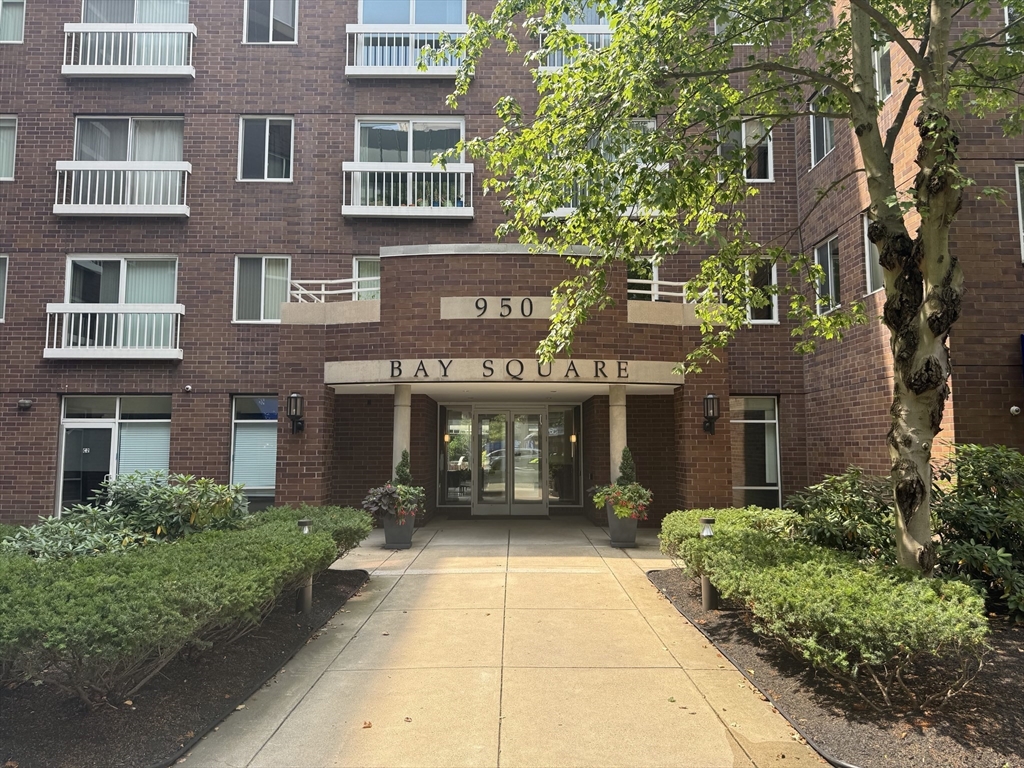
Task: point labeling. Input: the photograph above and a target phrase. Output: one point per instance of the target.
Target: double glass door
(510, 462)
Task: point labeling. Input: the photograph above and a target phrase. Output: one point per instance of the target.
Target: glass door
(510, 463)
(88, 461)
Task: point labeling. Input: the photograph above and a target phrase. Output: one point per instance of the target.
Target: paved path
(519, 644)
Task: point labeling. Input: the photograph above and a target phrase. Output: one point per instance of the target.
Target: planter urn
(621, 530)
(398, 531)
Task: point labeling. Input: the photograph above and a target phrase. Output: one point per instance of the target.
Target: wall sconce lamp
(711, 413)
(572, 445)
(295, 410)
(447, 439)
(24, 404)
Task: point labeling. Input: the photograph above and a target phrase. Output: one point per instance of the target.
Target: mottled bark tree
(699, 70)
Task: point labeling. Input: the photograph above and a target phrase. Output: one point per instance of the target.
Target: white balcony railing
(656, 290)
(391, 50)
(408, 190)
(113, 331)
(321, 291)
(595, 37)
(128, 50)
(122, 188)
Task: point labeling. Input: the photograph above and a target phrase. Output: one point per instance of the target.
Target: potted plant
(395, 505)
(626, 502)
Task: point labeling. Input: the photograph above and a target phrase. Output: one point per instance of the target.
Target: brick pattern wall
(650, 434)
(423, 452)
(596, 460)
(364, 428)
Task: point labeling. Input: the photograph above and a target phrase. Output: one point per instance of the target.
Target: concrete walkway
(520, 644)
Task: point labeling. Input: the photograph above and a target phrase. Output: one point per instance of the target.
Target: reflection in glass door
(491, 463)
(527, 465)
(87, 463)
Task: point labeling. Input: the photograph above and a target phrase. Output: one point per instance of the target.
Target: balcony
(122, 188)
(408, 190)
(113, 331)
(392, 50)
(333, 302)
(595, 37)
(128, 50)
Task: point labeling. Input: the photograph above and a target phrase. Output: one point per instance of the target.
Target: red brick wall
(364, 431)
(650, 434)
(596, 458)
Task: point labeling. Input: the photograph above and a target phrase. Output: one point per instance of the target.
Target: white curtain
(12, 17)
(368, 289)
(143, 446)
(3, 285)
(158, 48)
(149, 282)
(275, 287)
(157, 141)
(8, 130)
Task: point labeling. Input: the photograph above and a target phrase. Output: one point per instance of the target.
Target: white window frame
(1019, 168)
(774, 298)
(357, 294)
(14, 157)
(412, 14)
(132, 120)
(261, 492)
(869, 249)
(266, 149)
(882, 48)
(817, 159)
(439, 119)
(114, 424)
(768, 142)
(778, 453)
(834, 301)
(271, 41)
(3, 286)
(123, 277)
(24, 13)
(263, 287)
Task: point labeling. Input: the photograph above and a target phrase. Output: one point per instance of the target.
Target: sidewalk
(520, 644)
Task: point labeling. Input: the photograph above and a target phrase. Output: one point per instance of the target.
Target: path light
(708, 591)
(304, 595)
(295, 410)
(711, 412)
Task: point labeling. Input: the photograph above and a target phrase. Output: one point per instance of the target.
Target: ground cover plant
(99, 617)
(868, 625)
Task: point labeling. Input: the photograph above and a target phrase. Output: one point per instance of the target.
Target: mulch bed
(982, 726)
(41, 729)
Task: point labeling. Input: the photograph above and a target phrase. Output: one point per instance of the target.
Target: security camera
(1015, 410)
(188, 388)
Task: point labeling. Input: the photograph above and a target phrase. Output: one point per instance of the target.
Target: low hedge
(867, 624)
(347, 526)
(102, 626)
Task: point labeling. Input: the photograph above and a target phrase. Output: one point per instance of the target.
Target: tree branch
(919, 61)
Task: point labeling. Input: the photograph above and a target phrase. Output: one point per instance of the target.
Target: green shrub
(82, 530)
(102, 626)
(979, 505)
(6, 531)
(851, 512)
(867, 625)
(347, 526)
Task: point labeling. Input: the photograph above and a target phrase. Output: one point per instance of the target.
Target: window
(109, 436)
(764, 277)
(270, 21)
(412, 143)
(12, 21)
(265, 149)
(876, 280)
(755, 141)
(129, 138)
(367, 269)
(261, 287)
(882, 59)
(755, 452)
(112, 280)
(8, 137)
(826, 256)
(3, 288)
(1020, 205)
(432, 12)
(254, 443)
(135, 11)
(823, 139)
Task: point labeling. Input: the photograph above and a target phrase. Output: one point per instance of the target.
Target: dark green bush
(347, 526)
(6, 531)
(867, 625)
(851, 512)
(102, 626)
(83, 530)
(979, 505)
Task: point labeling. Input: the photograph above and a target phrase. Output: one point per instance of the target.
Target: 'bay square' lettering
(515, 369)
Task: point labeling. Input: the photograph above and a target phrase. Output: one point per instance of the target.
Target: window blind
(255, 457)
(143, 446)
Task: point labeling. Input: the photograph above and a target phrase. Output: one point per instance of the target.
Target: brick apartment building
(206, 208)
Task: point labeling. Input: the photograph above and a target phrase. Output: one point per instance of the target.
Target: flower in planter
(628, 499)
(400, 499)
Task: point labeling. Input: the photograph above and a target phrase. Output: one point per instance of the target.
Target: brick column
(704, 476)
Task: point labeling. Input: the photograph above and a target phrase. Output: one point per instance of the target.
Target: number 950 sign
(496, 307)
